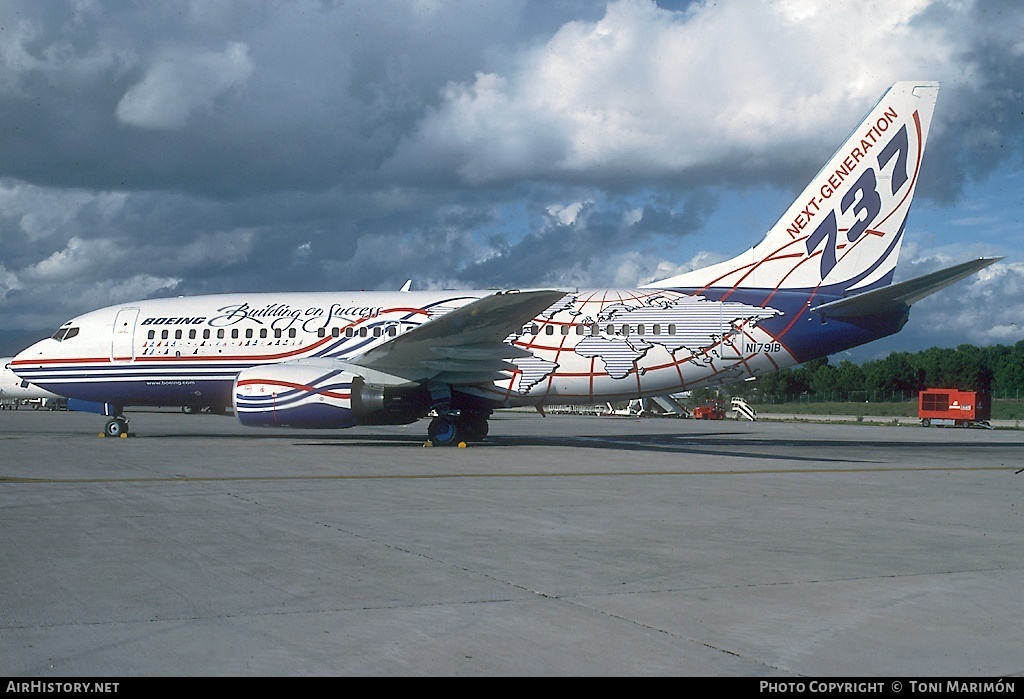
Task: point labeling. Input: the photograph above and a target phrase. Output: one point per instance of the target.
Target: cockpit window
(65, 334)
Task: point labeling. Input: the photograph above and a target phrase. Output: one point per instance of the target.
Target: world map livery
(607, 334)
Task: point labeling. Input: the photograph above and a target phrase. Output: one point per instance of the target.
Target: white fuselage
(592, 346)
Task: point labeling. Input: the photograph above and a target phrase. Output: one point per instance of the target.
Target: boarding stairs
(743, 410)
(668, 405)
(658, 406)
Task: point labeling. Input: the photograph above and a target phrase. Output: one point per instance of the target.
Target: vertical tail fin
(845, 229)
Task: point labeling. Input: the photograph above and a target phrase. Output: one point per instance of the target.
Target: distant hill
(14, 341)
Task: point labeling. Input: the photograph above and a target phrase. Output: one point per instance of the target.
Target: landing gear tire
(473, 428)
(443, 431)
(116, 427)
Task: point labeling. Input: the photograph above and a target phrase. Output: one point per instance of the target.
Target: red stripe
(295, 386)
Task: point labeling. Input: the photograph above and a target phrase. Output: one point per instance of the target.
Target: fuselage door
(122, 345)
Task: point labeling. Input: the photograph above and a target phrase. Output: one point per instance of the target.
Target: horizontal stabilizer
(902, 294)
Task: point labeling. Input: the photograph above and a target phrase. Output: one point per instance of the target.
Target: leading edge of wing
(903, 293)
(466, 345)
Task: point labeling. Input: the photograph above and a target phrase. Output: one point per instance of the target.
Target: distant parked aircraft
(14, 390)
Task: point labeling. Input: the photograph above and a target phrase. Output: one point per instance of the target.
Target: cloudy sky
(168, 148)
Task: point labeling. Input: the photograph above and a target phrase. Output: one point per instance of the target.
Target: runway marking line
(436, 476)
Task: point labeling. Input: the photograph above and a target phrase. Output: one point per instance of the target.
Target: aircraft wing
(466, 346)
(903, 293)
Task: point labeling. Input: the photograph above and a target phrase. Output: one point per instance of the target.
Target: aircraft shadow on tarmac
(725, 445)
(738, 444)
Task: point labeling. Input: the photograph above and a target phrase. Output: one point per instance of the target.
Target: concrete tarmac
(562, 546)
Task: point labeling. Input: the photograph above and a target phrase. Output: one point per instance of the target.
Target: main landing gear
(457, 430)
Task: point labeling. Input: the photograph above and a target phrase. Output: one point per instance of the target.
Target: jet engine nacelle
(298, 395)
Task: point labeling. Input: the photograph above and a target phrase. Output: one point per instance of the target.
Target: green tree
(891, 374)
(849, 377)
(821, 376)
(971, 370)
(1008, 368)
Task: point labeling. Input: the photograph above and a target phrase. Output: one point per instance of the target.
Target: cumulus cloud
(625, 92)
(976, 311)
(184, 81)
(60, 61)
(8, 281)
(43, 213)
(43, 305)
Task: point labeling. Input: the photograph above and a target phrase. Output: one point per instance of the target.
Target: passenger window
(263, 333)
(220, 334)
(177, 334)
(206, 334)
(164, 334)
(376, 332)
(277, 333)
(549, 329)
(671, 329)
(335, 332)
(291, 332)
(248, 333)
(362, 332)
(349, 332)
(234, 333)
(192, 334)
(152, 334)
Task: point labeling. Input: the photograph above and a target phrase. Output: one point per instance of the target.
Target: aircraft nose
(31, 353)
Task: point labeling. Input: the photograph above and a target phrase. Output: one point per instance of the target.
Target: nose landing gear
(117, 427)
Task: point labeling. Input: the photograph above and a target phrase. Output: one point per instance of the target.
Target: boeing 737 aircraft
(820, 281)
